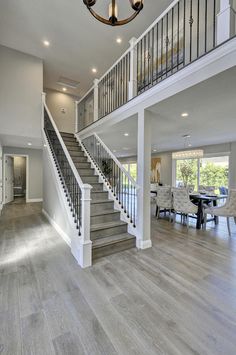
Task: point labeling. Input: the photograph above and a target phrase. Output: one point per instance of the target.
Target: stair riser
(85, 172)
(67, 135)
(83, 165)
(107, 232)
(90, 179)
(74, 148)
(76, 154)
(112, 249)
(80, 159)
(97, 187)
(113, 217)
(103, 195)
(98, 207)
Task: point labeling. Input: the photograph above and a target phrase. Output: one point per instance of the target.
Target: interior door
(9, 179)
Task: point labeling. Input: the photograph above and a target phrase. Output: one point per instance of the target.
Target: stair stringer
(70, 233)
(131, 229)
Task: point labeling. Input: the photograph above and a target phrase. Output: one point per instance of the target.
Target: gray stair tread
(97, 243)
(101, 201)
(103, 213)
(105, 225)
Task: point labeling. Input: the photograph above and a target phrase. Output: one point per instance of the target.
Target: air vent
(68, 82)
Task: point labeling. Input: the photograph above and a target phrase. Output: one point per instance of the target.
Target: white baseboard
(64, 236)
(31, 200)
(143, 244)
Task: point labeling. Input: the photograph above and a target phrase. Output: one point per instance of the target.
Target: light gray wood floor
(177, 298)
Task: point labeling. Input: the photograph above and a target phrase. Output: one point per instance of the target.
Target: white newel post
(143, 194)
(95, 102)
(76, 116)
(225, 21)
(85, 248)
(133, 69)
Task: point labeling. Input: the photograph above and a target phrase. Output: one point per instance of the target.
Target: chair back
(230, 204)
(180, 199)
(164, 197)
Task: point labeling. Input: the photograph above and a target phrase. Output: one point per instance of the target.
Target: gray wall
(56, 101)
(21, 77)
(35, 178)
(1, 176)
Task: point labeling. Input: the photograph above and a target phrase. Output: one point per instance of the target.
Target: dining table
(201, 199)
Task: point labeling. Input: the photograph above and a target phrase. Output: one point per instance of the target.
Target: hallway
(177, 298)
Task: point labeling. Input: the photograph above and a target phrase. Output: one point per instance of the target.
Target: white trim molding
(31, 200)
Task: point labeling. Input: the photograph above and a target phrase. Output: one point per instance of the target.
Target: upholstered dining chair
(164, 199)
(227, 210)
(182, 203)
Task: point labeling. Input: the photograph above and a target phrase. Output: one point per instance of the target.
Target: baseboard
(64, 236)
(143, 244)
(31, 200)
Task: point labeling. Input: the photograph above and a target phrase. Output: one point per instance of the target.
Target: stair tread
(105, 225)
(97, 243)
(103, 213)
(101, 201)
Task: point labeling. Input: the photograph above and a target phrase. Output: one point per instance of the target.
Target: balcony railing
(186, 31)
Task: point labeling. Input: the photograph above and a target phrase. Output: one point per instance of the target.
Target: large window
(207, 171)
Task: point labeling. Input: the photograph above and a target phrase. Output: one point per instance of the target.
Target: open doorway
(15, 178)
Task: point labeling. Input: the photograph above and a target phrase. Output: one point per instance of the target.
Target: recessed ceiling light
(184, 114)
(154, 150)
(46, 43)
(190, 145)
(64, 89)
(119, 40)
(94, 70)
(114, 151)
(29, 143)
(126, 134)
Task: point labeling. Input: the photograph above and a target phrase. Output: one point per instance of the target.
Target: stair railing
(123, 187)
(77, 193)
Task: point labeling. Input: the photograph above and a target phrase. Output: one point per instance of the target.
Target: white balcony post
(76, 116)
(144, 168)
(42, 117)
(133, 68)
(85, 257)
(225, 21)
(95, 102)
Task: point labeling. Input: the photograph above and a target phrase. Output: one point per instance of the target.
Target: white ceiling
(78, 41)
(20, 142)
(212, 118)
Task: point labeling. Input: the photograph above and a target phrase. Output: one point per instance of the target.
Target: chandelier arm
(117, 23)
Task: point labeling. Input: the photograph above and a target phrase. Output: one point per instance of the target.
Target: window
(207, 171)
(132, 169)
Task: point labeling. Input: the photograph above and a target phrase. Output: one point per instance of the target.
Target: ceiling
(77, 41)
(211, 106)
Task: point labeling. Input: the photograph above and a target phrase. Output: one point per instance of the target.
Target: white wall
(21, 86)
(35, 177)
(52, 202)
(56, 101)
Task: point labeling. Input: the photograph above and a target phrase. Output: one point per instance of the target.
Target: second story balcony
(185, 32)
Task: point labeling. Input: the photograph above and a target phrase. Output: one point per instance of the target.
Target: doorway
(15, 178)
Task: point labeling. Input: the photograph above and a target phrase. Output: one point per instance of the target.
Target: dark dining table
(199, 200)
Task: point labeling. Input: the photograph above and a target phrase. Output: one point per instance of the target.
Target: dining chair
(227, 210)
(182, 203)
(164, 199)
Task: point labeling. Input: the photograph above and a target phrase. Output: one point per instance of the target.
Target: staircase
(108, 233)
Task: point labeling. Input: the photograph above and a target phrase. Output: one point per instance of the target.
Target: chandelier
(112, 20)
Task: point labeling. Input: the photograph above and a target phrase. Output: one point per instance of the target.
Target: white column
(76, 116)
(95, 102)
(232, 166)
(225, 21)
(43, 102)
(144, 168)
(85, 248)
(133, 69)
